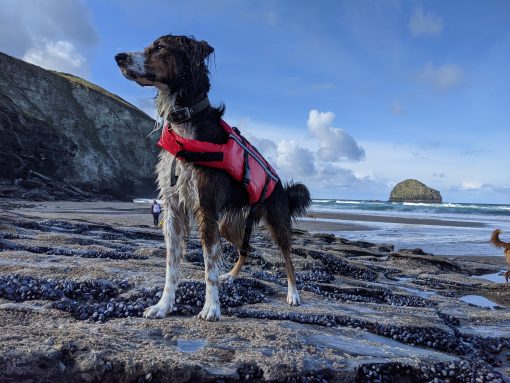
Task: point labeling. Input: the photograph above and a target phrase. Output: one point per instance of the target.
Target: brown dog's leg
(234, 230)
(234, 238)
(208, 226)
(242, 242)
(281, 232)
(174, 230)
(236, 269)
(507, 276)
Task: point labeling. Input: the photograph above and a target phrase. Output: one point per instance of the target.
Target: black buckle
(180, 115)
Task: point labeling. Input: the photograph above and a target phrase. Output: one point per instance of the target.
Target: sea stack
(414, 191)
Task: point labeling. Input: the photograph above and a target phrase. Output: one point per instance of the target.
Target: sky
(349, 97)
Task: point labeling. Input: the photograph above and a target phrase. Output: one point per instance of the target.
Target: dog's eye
(159, 48)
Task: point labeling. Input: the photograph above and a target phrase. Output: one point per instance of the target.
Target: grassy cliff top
(80, 81)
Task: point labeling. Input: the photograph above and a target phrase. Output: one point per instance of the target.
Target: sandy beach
(317, 221)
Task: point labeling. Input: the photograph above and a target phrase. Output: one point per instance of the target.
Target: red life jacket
(237, 157)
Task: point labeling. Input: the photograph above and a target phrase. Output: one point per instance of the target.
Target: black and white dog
(176, 66)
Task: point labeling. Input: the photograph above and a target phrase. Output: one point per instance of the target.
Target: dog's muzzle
(133, 68)
(121, 58)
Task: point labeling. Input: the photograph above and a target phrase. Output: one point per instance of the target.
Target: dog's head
(170, 61)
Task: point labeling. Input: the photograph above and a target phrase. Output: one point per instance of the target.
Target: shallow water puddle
(190, 345)
(420, 293)
(498, 277)
(366, 345)
(479, 301)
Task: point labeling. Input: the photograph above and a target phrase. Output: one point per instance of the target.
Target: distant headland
(411, 190)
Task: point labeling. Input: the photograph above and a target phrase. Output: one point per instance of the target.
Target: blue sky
(349, 97)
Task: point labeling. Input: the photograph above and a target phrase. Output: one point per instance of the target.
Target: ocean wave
(420, 204)
(145, 200)
(349, 202)
(451, 205)
(475, 206)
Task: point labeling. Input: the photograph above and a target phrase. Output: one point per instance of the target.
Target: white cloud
(293, 159)
(443, 76)
(443, 167)
(334, 144)
(264, 145)
(302, 158)
(61, 56)
(471, 185)
(458, 178)
(425, 24)
(50, 33)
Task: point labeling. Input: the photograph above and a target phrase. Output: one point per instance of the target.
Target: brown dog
(177, 67)
(505, 245)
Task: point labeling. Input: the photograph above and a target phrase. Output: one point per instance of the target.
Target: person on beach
(156, 211)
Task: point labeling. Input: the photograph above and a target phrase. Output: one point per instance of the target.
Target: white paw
(226, 278)
(293, 298)
(210, 313)
(157, 311)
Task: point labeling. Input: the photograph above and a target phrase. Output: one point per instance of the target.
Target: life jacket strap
(192, 157)
(246, 172)
(264, 190)
(173, 175)
(199, 156)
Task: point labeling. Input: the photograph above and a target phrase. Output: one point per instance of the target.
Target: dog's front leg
(173, 230)
(208, 226)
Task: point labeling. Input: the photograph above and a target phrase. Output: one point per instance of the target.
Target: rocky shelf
(75, 279)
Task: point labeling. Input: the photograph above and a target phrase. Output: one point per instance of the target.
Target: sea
(438, 240)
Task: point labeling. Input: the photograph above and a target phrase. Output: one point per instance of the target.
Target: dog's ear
(201, 50)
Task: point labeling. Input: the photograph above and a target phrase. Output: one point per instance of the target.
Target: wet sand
(319, 216)
(319, 226)
(317, 221)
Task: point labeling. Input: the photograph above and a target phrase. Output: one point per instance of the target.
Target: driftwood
(42, 176)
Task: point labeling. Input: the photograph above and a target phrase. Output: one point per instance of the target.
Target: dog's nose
(121, 57)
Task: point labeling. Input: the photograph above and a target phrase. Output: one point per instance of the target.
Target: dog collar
(184, 114)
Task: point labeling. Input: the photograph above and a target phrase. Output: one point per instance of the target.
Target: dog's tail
(298, 197)
(497, 242)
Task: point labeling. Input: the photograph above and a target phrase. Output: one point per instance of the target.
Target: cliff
(63, 137)
(414, 191)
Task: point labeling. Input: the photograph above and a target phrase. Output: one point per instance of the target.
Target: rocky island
(412, 190)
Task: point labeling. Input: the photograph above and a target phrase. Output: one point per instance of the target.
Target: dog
(505, 245)
(177, 66)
